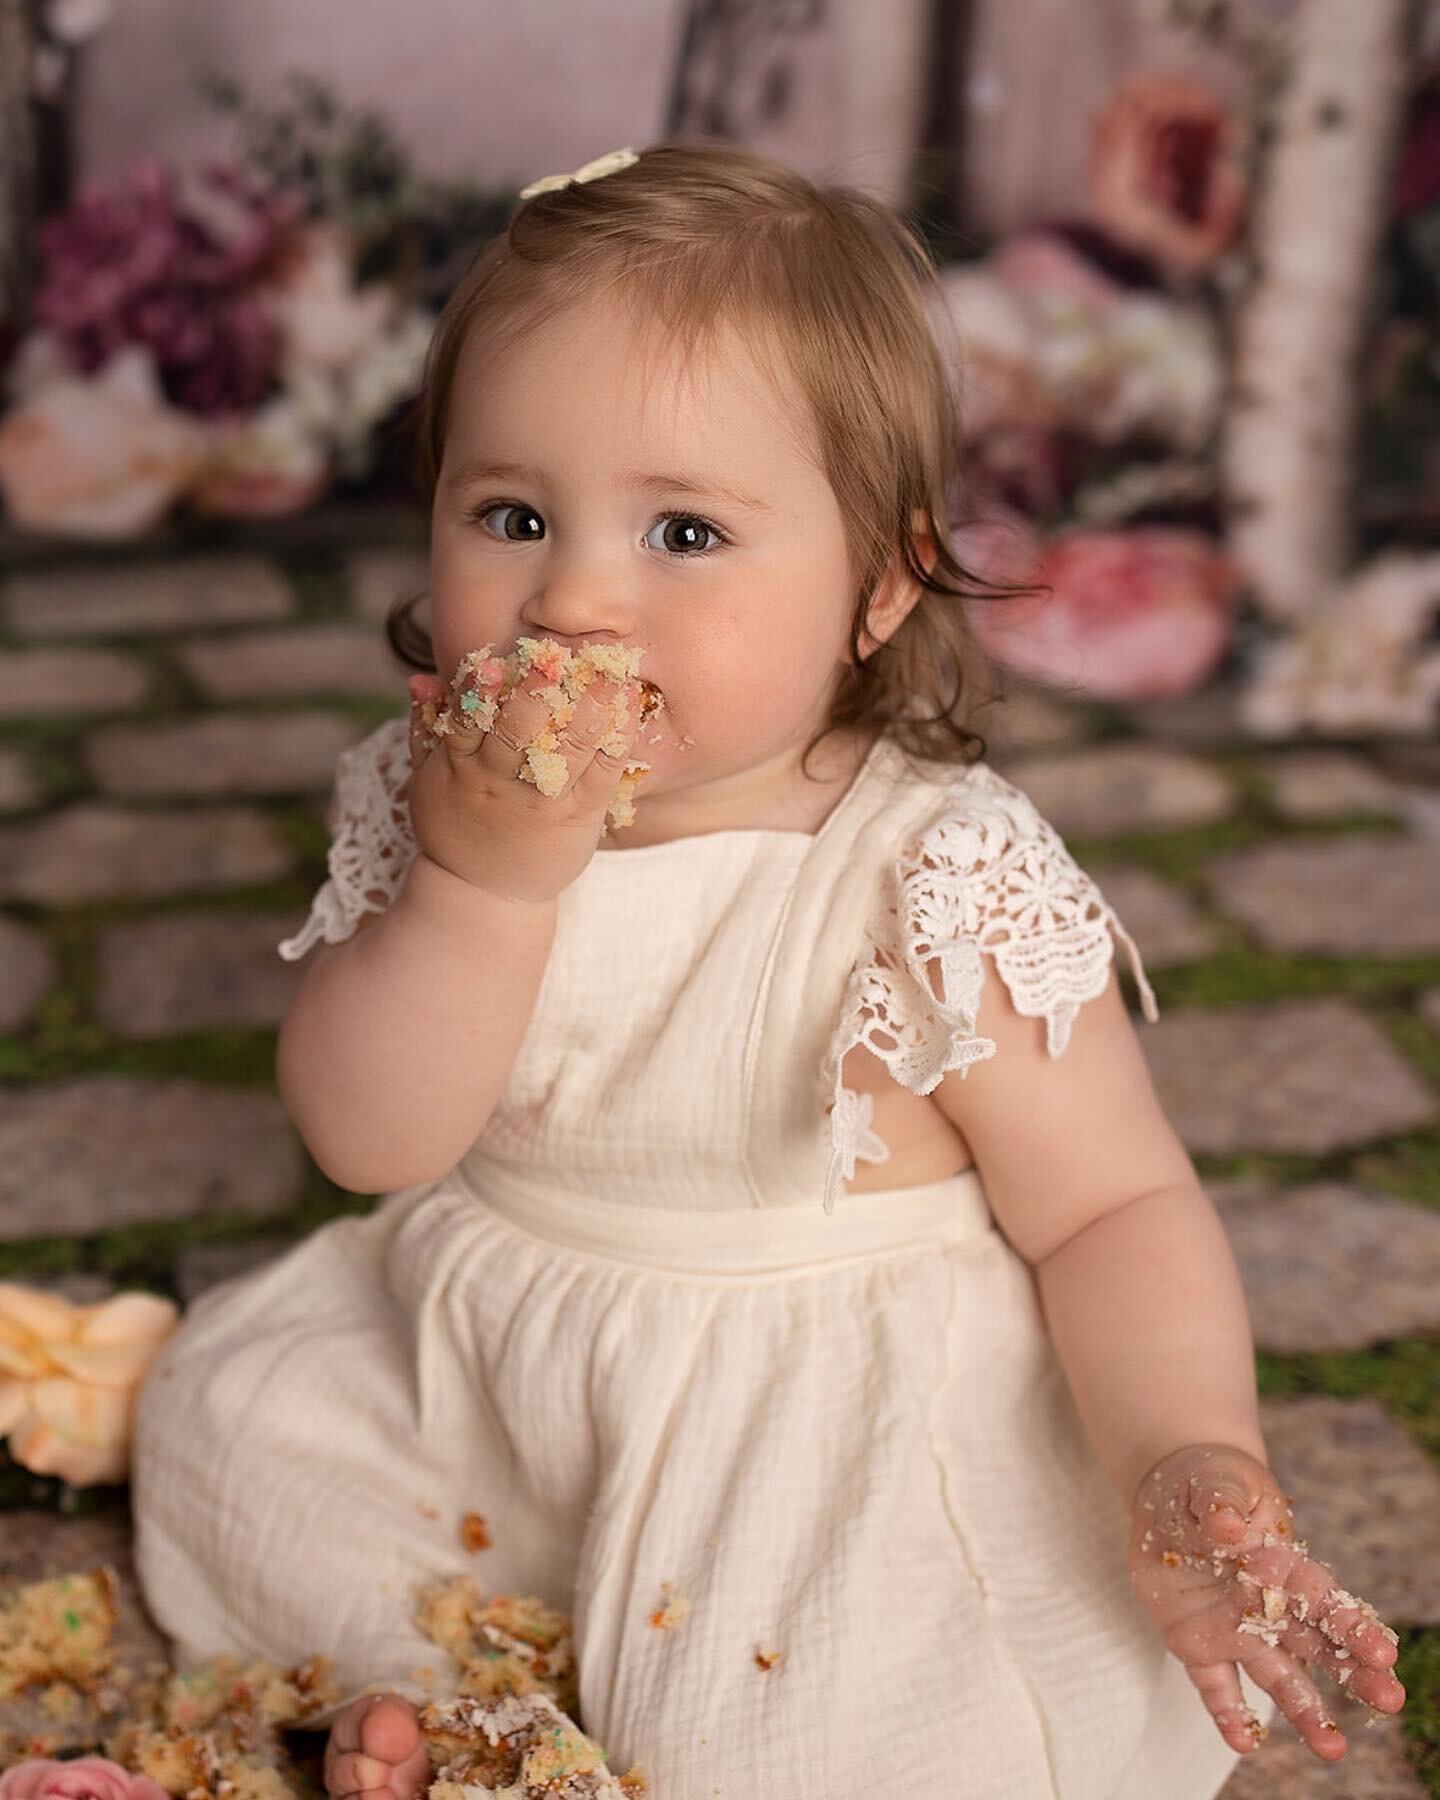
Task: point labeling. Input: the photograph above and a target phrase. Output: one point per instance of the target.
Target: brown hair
(699, 235)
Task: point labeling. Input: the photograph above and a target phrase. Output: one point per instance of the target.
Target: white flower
(344, 405)
(1363, 664)
(72, 21)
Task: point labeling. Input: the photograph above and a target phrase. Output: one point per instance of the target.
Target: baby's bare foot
(375, 1751)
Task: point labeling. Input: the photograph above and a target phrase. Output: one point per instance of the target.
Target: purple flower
(170, 263)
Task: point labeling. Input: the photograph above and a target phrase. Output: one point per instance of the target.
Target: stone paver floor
(167, 735)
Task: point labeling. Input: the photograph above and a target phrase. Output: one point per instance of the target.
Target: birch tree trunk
(1290, 425)
(17, 161)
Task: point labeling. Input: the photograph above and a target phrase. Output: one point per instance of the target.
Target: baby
(939, 1474)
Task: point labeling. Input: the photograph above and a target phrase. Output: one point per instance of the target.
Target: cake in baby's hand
(482, 680)
(519, 1746)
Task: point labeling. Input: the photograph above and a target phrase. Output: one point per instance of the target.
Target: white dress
(643, 1330)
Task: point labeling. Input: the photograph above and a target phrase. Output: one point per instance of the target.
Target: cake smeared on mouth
(483, 679)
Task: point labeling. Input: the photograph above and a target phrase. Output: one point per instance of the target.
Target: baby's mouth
(652, 700)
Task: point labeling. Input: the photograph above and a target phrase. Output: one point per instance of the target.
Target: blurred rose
(68, 1380)
(324, 319)
(84, 1778)
(1167, 174)
(265, 466)
(1134, 615)
(103, 458)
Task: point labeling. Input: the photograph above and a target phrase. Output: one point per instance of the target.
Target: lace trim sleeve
(371, 843)
(990, 877)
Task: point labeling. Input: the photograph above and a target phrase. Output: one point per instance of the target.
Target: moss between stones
(1180, 855)
(1408, 1166)
(1418, 1667)
(1273, 1168)
(1240, 977)
(1413, 1038)
(144, 1255)
(321, 588)
(1403, 1374)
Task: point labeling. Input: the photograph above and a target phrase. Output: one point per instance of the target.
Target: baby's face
(740, 599)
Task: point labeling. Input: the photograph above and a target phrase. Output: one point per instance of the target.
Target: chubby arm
(1089, 1182)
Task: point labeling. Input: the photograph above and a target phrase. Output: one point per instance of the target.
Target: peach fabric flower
(99, 457)
(69, 1376)
(1133, 615)
(84, 1778)
(1167, 175)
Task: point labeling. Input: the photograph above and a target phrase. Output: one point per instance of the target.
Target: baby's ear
(897, 590)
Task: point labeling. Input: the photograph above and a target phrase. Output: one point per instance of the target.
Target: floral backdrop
(238, 338)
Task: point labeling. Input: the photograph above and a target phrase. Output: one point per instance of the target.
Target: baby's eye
(689, 536)
(527, 536)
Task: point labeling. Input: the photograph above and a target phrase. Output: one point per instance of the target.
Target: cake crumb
(766, 1659)
(675, 1609)
(474, 1533)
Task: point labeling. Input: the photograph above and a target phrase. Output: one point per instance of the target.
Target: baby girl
(781, 1243)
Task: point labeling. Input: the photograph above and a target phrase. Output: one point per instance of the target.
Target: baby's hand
(471, 813)
(1214, 1558)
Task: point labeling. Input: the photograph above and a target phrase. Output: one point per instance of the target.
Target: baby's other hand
(1213, 1556)
(375, 1749)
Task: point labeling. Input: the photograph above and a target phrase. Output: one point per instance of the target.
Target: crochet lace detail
(371, 843)
(989, 877)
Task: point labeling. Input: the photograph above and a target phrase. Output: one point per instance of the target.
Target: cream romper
(643, 1330)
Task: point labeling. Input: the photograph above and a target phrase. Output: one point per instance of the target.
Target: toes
(353, 1773)
(390, 1729)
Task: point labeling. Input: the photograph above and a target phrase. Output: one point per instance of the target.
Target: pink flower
(1167, 173)
(169, 263)
(85, 1778)
(1041, 263)
(1133, 615)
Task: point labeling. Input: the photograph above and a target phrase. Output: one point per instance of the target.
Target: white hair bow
(602, 165)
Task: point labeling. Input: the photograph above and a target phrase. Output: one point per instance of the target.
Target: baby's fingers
(422, 688)
(1219, 1688)
(1299, 1699)
(1325, 1624)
